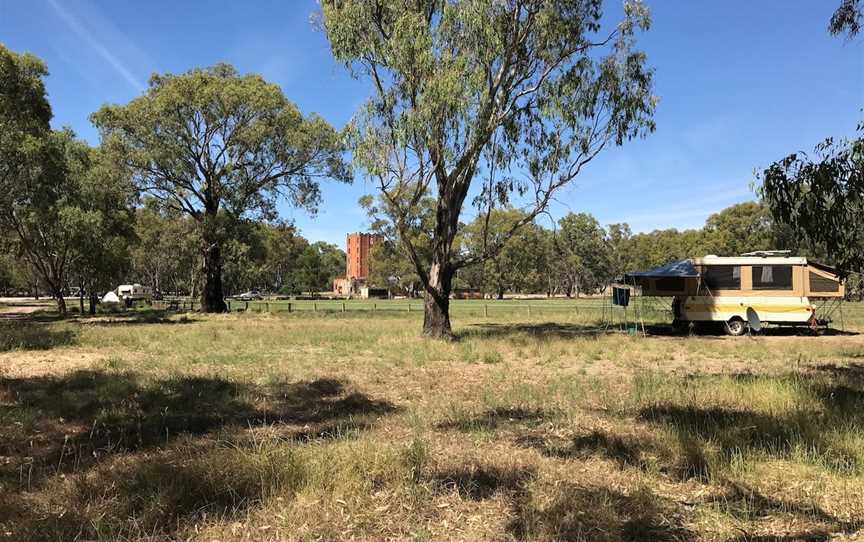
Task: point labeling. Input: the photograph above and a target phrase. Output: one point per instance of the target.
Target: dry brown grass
(261, 427)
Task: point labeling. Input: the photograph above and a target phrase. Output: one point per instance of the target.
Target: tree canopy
(822, 197)
(847, 18)
(63, 207)
(211, 140)
(517, 96)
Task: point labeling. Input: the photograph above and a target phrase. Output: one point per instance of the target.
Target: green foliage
(581, 254)
(477, 89)
(24, 117)
(822, 199)
(166, 256)
(390, 264)
(101, 222)
(264, 256)
(24, 111)
(211, 140)
(316, 267)
(745, 227)
(847, 18)
(517, 266)
(584, 255)
(67, 205)
(68, 214)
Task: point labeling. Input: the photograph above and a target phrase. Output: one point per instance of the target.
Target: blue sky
(741, 84)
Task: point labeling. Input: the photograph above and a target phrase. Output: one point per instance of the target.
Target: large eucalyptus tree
(487, 98)
(220, 146)
(61, 205)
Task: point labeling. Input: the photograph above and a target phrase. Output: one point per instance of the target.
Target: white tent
(110, 298)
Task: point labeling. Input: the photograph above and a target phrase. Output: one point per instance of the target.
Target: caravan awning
(679, 269)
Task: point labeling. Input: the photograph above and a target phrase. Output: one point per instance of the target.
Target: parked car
(251, 295)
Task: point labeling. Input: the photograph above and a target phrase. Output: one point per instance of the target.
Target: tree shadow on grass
(748, 505)
(149, 316)
(557, 330)
(733, 431)
(51, 425)
(480, 482)
(548, 330)
(105, 317)
(193, 457)
(625, 450)
(799, 428)
(23, 335)
(491, 419)
(578, 513)
(162, 495)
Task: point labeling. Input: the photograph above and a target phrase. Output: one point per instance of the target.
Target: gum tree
(821, 197)
(220, 146)
(497, 100)
(62, 209)
(847, 18)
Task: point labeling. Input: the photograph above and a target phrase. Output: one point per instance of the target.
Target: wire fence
(591, 308)
(584, 308)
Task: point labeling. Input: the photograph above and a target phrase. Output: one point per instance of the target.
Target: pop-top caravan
(778, 289)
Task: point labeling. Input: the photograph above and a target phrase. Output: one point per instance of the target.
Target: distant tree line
(161, 250)
(580, 256)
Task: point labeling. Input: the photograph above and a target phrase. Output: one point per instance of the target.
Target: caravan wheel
(736, 327)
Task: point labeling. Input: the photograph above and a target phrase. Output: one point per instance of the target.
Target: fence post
(267, 306)
(374, 306)
(343, 306)
(485, 310)
(529, 310)
(247, 307)
(229, 305)
(409, 307)
(314, 306)
(289, 306)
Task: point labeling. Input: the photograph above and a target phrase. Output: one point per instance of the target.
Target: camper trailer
(130, 293)
(776, 288)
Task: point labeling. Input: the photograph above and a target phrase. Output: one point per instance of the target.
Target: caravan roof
(750, 260)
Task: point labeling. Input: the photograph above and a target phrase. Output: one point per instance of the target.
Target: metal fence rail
(473, 308)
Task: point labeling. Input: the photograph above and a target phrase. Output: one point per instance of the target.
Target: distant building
(359, 245)
(358, 248)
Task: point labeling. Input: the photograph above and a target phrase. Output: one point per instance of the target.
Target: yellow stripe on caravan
(737, 307)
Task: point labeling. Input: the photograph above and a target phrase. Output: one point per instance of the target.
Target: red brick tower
(357, 259)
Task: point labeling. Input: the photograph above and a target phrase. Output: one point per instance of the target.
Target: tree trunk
(61, 302)
(212, 299)
(93, 301)
(436, 307)
(861, 285)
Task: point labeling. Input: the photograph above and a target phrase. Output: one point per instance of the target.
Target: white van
(134, 292)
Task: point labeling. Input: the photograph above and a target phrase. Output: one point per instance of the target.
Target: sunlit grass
(328, 426)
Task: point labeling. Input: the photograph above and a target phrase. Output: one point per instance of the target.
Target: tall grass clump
(157, 493)
(715, 421)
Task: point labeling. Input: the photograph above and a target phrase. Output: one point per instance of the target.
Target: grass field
(330, 426)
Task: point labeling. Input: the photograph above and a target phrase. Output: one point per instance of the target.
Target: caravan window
(722, 277)
(772, 277)
(818, 283)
